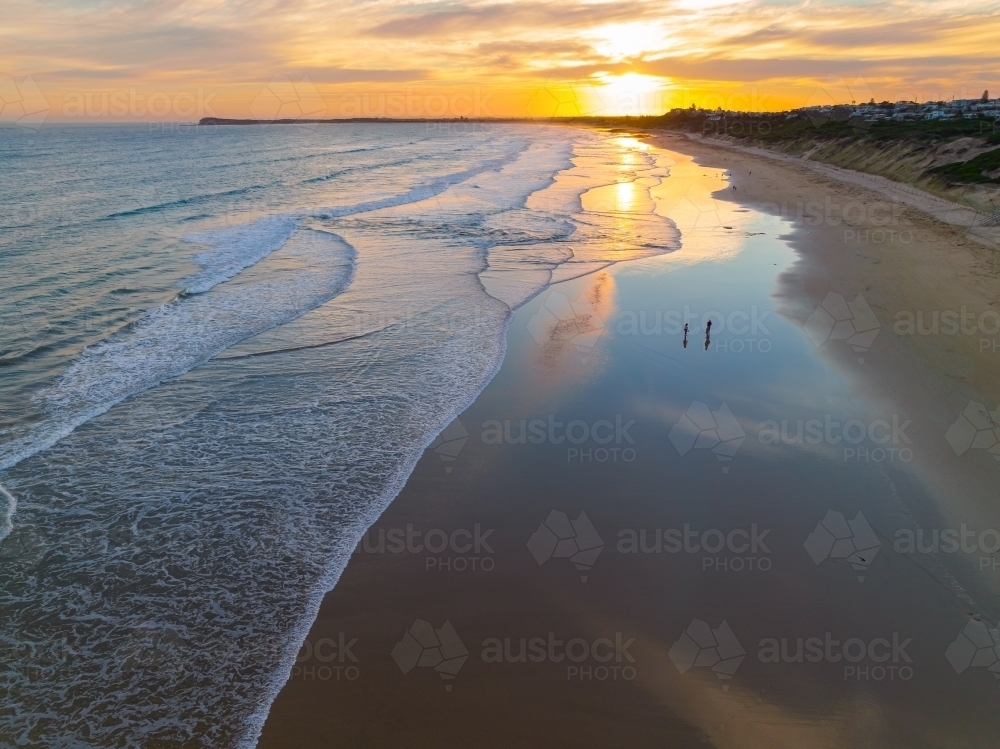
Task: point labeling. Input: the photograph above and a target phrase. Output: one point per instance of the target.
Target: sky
(179, 60)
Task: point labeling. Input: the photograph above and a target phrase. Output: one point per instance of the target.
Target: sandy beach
(611, 547)
(913, 260)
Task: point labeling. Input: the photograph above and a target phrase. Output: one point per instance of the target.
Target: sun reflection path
(619, 217)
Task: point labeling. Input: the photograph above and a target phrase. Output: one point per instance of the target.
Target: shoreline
(941, 209)
(379, 594)
(909, 285)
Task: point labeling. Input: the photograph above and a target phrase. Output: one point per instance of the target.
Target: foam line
(7, 524)
(419, 192)
(233, 250)
(181, 335)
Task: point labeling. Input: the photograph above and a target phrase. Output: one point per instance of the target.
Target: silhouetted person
(708, 334)
(685, 335)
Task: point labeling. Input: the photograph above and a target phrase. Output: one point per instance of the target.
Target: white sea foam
(7, 517)
(421, 191)
(234, 249)
(181, 335)
(201, 518)
(237, 248)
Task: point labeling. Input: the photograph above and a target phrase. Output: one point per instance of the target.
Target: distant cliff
(956, 159)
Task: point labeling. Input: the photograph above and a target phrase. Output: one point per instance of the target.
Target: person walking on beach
(685, 335)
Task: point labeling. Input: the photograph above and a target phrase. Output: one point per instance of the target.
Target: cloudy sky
(179, 59)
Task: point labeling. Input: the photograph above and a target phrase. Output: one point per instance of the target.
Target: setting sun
(631, 94)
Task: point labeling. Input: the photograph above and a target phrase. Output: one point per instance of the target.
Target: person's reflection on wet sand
(685, 335)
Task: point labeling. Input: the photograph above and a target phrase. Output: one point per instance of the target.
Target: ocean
(223, 350)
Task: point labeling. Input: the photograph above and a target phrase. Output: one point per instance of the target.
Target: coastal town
(983, 108)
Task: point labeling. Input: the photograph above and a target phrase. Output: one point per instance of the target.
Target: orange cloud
(485, 58)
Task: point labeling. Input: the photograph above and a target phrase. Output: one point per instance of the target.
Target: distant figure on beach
(708, 333)
(685, 335)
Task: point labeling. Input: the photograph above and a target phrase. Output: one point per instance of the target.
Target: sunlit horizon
(259, 60)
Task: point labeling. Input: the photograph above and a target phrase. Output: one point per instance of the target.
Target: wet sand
(913, 262)
(638, 644)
